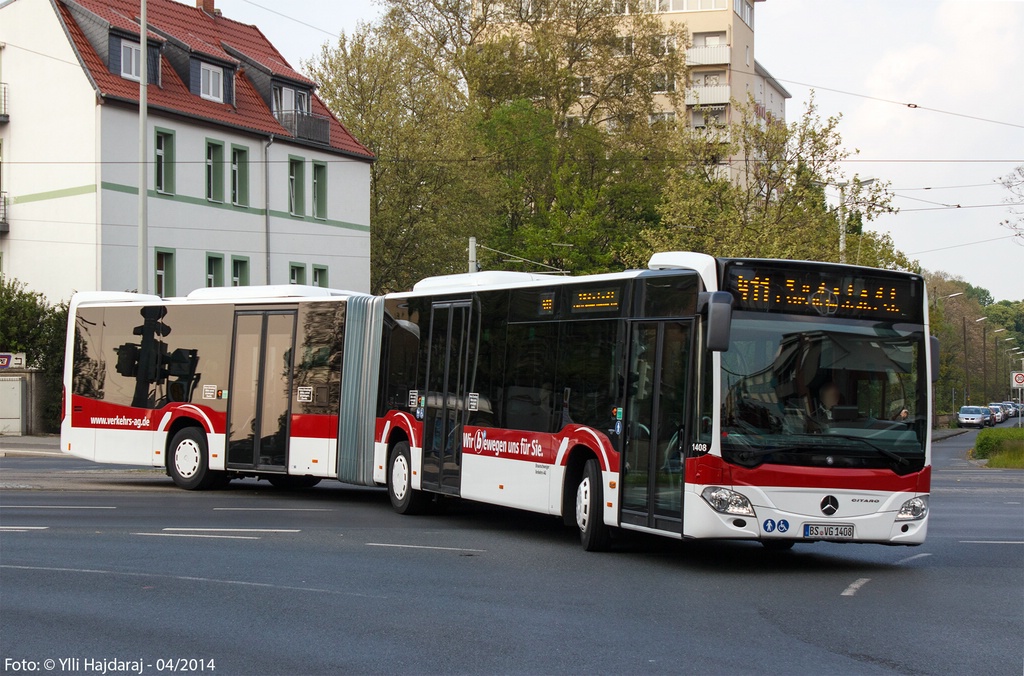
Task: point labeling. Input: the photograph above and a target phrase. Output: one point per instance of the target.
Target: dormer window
(212, 84)
(131, 60)
(288, 100)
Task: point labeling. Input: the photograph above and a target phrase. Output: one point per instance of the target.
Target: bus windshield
(808, 391)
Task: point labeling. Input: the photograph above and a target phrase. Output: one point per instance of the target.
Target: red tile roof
(208, 36)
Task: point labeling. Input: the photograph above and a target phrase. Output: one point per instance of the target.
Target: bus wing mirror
(718, 307)
(935, 359)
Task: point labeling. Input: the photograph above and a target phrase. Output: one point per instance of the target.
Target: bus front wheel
(594, 533)
(404, 498)
(188, 462)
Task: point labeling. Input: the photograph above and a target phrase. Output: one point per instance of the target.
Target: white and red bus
(684, 400)
(766, 400)
(228, 382)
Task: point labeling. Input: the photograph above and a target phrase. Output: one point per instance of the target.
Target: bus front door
(655, 432)
(445, 410)
(259, 393)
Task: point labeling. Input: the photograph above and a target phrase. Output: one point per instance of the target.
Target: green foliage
(1009, 455)
(21, 315)
(29, 324)
(995, 439)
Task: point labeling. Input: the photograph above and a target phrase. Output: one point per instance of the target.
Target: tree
(757, 188)
(29, 324)
(424, 191)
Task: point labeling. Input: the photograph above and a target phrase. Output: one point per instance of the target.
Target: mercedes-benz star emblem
(829, 505)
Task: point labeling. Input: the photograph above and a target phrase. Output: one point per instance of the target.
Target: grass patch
(990, 441)
(1008, 454)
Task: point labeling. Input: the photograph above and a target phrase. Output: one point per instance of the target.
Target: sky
(959, 61)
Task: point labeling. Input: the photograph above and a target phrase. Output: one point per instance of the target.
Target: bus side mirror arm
(717, 306)
(935, 359)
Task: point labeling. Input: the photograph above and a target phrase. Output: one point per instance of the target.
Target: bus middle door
(655, 432)
(448, 367)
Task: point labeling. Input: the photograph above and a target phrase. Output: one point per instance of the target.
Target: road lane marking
(21, 529)
(270, 509)
(992, 542)
(443, 549)
(911, 558)
(52, 507)
(234, 530)
(200, 535)
(852, 589)
(190, 578)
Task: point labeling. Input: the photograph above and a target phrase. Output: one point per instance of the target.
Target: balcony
(4, 227)
(714, 55)
(707, 95)
(4, 115)
(300, 124)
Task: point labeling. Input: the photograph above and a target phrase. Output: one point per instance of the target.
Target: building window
(697, 5)
(296, 186)
(239, 176)
(214, 171)
(211, 83)
(164, 273)
(214, 270)
(320, 276)
(239, 271)
(296, 273)
(666, 120)
(319, 190)
(131, 60)
(662, 83)
(745, 10)
(164, 173)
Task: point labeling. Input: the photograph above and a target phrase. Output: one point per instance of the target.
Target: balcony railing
(713, 55)
(3, 212)
(4, 115)
(316, 128)
(707, 95)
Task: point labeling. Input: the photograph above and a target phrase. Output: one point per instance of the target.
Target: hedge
(988, 440)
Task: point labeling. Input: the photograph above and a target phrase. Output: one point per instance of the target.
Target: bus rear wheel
(404, 498)
(188, 462)
(595, 535)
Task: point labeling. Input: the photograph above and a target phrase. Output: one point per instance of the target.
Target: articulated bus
(766, 400)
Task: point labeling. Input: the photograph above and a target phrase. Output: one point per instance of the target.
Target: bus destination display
(595, 300)
(823, 292)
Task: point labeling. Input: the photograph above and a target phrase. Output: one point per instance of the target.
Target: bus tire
(404, 498)
(595, 536)
(188, 461)
(292, 482)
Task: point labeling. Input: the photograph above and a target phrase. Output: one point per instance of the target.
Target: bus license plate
(831, 531)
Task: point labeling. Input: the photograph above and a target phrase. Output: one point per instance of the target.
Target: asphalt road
(101, 563)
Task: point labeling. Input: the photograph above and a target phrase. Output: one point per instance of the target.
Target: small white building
(250, 179)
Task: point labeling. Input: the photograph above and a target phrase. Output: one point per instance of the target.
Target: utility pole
(143, 244)
(472, 255)
(967, 376)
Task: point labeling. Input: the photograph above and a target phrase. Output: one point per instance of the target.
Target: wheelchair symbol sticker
(783, 525)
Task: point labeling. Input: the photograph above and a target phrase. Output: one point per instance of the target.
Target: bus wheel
(594, 533)
(404, 499)
(188, 462)
(291, 482)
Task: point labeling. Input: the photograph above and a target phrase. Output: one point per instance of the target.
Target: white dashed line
(200, 535)
(992, 542)
(233, 530)
(852, 589)
(21, 529)
(443, 549)
(270, 509)
(53, 507)
(911, 558)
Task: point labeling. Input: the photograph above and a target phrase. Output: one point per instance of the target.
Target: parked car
(1013, 408)
(973, 416)
(997, 413)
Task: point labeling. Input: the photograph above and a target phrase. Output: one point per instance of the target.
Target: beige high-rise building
(721, 61)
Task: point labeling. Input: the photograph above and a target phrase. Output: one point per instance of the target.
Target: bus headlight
(726, 501)
(913, 509)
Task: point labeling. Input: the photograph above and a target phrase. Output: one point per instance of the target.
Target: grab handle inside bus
(717, 305)
(935, 358)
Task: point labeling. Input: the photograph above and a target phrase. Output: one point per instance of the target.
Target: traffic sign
(1017, 379)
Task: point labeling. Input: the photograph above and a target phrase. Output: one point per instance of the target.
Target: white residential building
(250, 179)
